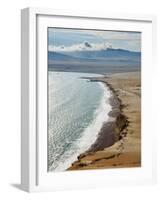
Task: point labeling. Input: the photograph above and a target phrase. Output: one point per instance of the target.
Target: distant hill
(55, 56)
(58, 56)
(103, 54)
(95, 61)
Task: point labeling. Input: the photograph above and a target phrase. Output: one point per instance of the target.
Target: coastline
(113, 147)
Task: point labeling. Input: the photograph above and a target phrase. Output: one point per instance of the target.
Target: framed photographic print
(86, 99)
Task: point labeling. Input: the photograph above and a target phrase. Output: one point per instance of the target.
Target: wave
(87, 139)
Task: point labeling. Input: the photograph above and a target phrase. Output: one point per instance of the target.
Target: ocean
(77, 109)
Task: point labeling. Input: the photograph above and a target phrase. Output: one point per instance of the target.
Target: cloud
(73, 39)
(118, 35)
(85, 46)
(104, 34)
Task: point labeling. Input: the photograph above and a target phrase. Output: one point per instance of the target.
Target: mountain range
(87, 61)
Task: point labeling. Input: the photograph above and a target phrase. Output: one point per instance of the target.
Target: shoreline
(110, 143)
(108, 135)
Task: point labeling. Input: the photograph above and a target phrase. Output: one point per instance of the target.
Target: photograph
(94, 99)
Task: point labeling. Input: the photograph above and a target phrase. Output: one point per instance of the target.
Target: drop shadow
(18, 186)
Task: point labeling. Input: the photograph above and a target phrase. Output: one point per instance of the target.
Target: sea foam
(90, 133)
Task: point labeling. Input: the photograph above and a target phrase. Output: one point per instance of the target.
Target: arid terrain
(119, 143)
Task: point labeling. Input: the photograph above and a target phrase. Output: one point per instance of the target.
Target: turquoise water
(77, 109)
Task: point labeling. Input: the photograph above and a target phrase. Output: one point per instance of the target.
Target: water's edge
(101, 118)
(111, 131)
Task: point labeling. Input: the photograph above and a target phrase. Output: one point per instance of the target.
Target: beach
(119, 141)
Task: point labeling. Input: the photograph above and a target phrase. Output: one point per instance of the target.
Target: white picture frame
(33, 74)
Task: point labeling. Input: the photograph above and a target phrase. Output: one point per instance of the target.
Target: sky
(61, 40)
